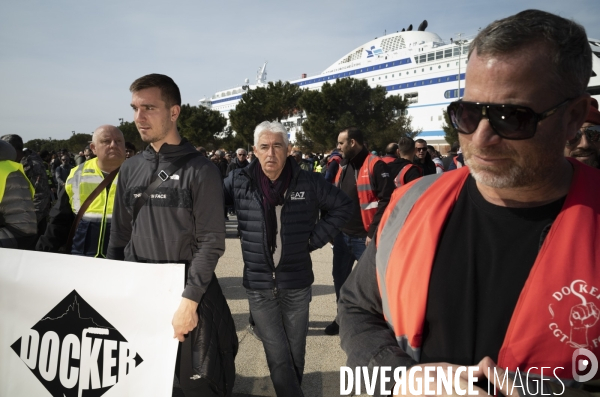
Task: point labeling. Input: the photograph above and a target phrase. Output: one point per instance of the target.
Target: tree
(78, 142)
(277, 101)
(352, 102)
(451, 134)
(201, 125)
(132, 135)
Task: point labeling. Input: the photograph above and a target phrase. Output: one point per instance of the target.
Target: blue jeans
(281, 318)
(346, 250)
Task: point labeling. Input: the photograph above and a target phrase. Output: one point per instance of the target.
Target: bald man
(93, 230)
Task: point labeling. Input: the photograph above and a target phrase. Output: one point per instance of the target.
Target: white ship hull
(417, 65)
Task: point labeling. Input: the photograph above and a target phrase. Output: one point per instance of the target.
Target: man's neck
(551, 189)
(409, 158)
(172, 138)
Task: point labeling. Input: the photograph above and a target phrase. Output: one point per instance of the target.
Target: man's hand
(367, 241)
(185, 318)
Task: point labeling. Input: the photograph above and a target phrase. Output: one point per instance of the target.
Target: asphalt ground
(323, 353)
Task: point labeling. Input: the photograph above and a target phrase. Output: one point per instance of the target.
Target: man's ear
(174, 112)
(93, 148)
(576, 113)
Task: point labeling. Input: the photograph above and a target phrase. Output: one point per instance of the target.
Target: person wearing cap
(491, 265)
(585, 146)
(18, 222)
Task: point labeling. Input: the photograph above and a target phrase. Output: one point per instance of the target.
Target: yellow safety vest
(8, 167)
(82, 181)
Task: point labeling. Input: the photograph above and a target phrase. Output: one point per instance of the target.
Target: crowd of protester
(289, 203)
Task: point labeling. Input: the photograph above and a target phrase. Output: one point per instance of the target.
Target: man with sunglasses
(466, 264)
(240, 160)
(585, 147)
(423, 158)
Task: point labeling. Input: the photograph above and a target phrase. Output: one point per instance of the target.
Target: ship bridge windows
(430, 56)
(411, 97)
(448, 53)
(439, 55)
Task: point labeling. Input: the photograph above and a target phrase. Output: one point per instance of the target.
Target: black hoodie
(182, 221)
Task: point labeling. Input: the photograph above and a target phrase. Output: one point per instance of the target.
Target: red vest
(367, 196)
(557, 310)
(399, 179)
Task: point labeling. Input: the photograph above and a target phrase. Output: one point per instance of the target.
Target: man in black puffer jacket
(277, 206)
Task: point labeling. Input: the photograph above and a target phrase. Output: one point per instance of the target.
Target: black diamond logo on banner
(75, 352)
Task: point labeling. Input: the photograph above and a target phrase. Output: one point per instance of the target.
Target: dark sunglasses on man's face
(512, 122)
(592, 134)
(421, 149)
(242, 154)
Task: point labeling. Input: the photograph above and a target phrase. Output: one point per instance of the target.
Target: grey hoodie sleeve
(17, 214)
(209, 226)
(365, 335)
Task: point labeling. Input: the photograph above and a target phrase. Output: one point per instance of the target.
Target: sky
(67, 65)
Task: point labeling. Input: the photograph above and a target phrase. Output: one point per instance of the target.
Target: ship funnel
(409, 28)
(404, 30)
(423, 26)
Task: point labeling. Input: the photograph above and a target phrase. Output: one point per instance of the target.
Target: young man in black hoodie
(181, 221)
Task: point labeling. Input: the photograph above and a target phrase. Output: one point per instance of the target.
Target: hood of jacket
(169, 152)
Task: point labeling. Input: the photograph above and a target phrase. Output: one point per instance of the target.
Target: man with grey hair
(466, 262)
(92, 233)
(240, 160)
(277, 206)
(221, 162)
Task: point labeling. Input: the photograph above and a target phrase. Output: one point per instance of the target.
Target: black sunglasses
(591, 133)
(512, 122)
(421, 149)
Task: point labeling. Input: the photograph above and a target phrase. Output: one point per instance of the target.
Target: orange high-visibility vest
(557, 310)
(388, 159)
(367, 195)
(399, 179)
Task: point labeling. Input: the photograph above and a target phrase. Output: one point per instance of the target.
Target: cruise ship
(415, 64)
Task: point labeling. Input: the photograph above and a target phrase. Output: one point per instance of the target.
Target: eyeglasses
(242, 154)
(512, 122)
(592, 134)
(421, 149)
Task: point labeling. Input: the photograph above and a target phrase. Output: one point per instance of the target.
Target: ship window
(379, 77)
(431, 118)
(439, 55)
(430, 56)
(422, 58)
(439, 118)
(456, 51)
(373, 79)
(423, 69)
(415, 71)
(430, 68)
(448, 53)
(447, 65)
(412, 97)
(439, 66)
(416, 59)
(386, 76)
(465, 49)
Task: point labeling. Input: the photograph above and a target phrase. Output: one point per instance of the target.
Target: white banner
(72, 326)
